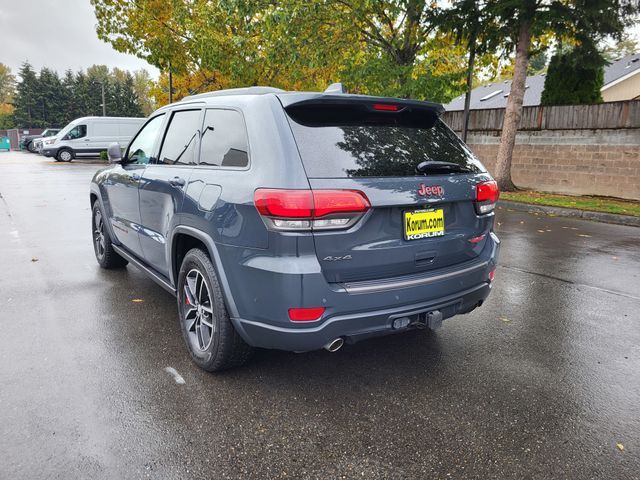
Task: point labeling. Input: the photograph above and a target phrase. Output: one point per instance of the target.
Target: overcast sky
(58, 34)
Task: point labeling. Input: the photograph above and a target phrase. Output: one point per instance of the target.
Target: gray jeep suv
(298, 221)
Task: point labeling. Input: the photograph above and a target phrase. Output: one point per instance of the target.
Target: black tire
(31, 147)
(64, 155)
(212, 340)
(102, 246)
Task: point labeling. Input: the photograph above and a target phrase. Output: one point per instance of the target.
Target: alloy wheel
(98, 234)
(197, 311)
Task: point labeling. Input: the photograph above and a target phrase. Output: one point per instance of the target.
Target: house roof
(494, 95)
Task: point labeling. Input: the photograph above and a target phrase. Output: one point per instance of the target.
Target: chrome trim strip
(381, 286)
(154, 276)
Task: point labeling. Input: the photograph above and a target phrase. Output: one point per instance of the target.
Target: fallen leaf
(548, 230)
(583, 235)
(620, 447)
(540, 231)
(34, 259)
(137, 300)
(521, 221)
(506, 320)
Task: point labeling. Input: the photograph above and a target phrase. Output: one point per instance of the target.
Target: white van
(88, 136)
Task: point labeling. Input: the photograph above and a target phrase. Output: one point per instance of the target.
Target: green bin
(5, 144)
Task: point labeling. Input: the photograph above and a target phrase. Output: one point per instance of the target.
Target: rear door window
(352, 141)
(178, 147)
(224, 139)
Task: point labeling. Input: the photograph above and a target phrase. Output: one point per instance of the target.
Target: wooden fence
(561, 117)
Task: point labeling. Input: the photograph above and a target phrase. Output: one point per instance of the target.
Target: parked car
(29, 142)
(297, 221)
(38, 143)
(88, 136)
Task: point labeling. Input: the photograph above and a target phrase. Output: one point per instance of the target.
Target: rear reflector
(492, 275)
(477, 239)
(305, 314)
(306, 209)
(487, 194)
(385, 107)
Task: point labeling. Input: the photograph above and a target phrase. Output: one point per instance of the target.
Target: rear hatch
(418, 177)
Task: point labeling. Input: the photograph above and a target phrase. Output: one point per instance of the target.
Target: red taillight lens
(304, 209)
(284, 203)
(487, 194)
(492, 275)
(385, 107)
(328, 202)
(305, 314)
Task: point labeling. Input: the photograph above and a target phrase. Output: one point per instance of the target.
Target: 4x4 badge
(433, 191)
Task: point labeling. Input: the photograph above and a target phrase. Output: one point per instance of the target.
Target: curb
(572, 212)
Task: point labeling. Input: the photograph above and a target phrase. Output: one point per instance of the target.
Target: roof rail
(234, 91)
(335, 88)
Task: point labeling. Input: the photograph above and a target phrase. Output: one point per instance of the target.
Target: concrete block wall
(579, 162)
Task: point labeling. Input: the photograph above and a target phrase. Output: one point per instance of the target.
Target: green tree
(520, 21)
(7, 92)
(48, 99)
(26, 114)
(142, 84)
(574, 77)
(385, 47)
(7, 84)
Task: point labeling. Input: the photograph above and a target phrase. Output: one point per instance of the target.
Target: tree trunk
(513, 111)
(467, 95)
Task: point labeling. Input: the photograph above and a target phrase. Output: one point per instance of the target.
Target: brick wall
(580, 162)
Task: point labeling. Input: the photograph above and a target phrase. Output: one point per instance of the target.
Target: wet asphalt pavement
(543, 381)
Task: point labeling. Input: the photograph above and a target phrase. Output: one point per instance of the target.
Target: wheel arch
(185, 238)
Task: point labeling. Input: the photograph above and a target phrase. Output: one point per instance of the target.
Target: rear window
(353, 141)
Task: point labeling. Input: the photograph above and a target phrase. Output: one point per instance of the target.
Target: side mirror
(114, 153)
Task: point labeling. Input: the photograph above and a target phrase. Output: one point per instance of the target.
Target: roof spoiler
(374, 103)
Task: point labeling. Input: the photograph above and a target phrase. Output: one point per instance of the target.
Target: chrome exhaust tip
(334, 345)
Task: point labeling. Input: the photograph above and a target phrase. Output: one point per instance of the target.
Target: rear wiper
(438, 166)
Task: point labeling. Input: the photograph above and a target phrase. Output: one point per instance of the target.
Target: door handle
(87, 139)
(177, 182)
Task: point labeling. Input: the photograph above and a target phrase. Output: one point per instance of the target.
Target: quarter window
(224, 139)
(141, 148)
(180, 140)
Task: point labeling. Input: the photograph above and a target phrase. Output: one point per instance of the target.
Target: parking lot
(542, 381)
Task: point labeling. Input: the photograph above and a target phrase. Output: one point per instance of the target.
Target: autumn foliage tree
(386, 47)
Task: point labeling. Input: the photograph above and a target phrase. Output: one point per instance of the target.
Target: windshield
(378, 145)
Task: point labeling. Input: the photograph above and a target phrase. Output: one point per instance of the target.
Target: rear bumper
(360, 326)
(353, 311)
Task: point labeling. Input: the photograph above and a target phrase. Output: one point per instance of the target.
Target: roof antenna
(335, 88)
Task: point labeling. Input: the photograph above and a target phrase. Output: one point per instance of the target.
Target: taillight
(305, 314)
(386, 107)
(492, 275)
(487, 194)
(310, 209)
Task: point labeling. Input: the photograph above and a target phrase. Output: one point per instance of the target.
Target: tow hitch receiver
(433, 320)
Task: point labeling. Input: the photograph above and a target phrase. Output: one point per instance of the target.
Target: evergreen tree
(574, 77)
(26, 114)
(49, 102)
